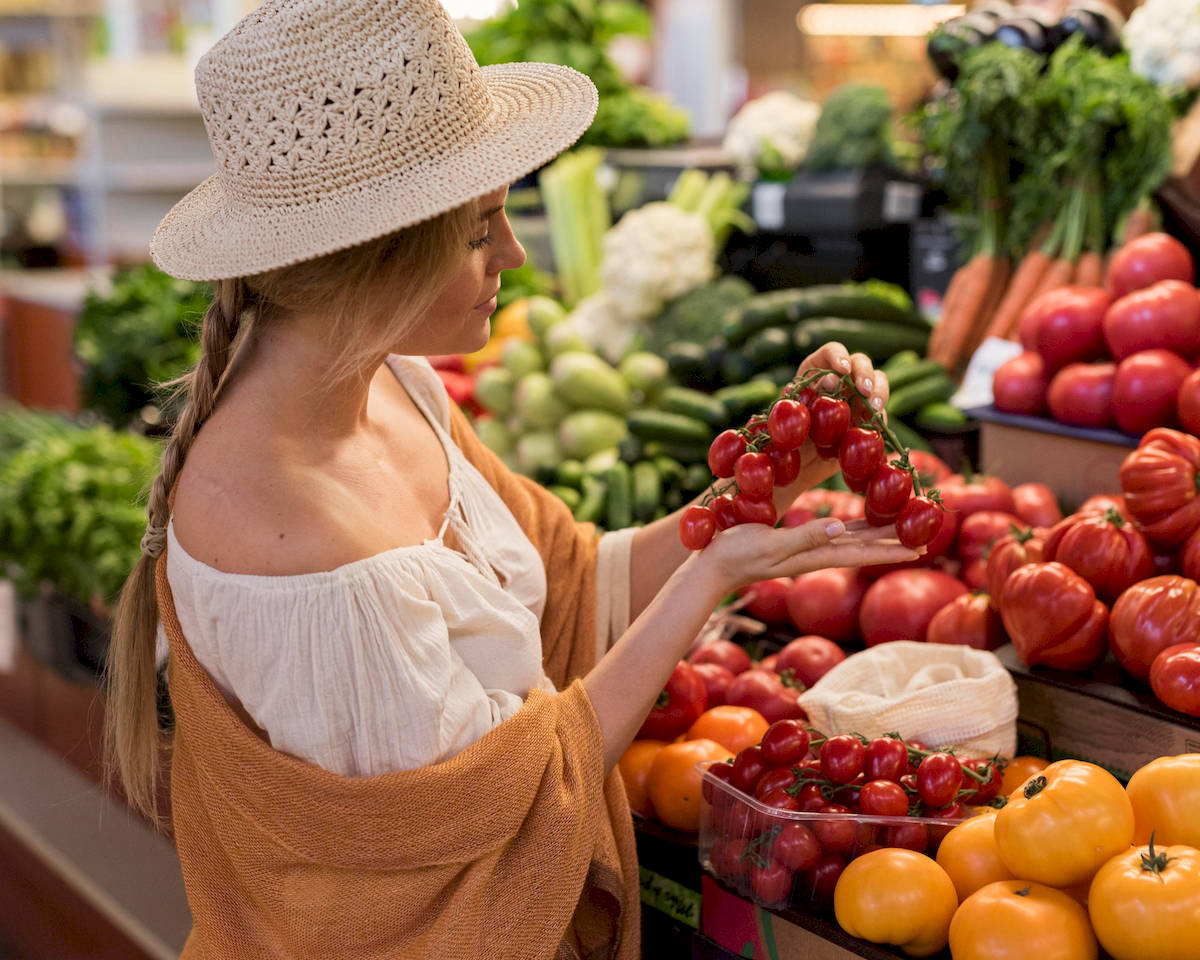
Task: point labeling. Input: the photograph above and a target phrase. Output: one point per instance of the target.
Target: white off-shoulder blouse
(401, 659)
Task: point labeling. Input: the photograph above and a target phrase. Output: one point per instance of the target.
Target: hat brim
(539, 110)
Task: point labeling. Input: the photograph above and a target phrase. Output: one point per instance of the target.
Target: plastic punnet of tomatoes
(781, 857)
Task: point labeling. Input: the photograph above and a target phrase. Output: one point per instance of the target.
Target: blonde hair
(372, 294)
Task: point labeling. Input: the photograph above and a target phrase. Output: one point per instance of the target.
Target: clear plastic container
(781, 858)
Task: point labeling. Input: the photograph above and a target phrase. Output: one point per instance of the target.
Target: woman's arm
(657, 552)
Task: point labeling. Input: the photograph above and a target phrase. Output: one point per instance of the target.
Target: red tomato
(1081, 394)
(1053, 618)
(1159, 480)
(721, 771)
(788, 424)
(717, 680)
(821, 880)
(938, 778)
(724, 453)
(678, 706)
(1016, 549)
(772, 883)
(988, 790)
(908, 836)
(796, 847)
(883, 798)
(1107, 551)
(1145, 261)
(1102, 503)
(919, 522)
(785, 742)
(1036, 505)
(826, 603)
(842, 757)
(1146, 389)
(969, 621)
(749, 510)
(697, 526)
(861, 453)
(980, 530)
(768, 664)
(1189, 557)
(1165, 316)
(1175, 678)
(724, 652)
(974, 574)
(900, 605)
(1069, 300)
(1020, 384)
(724, 511)
(765, 693)
(769, 602)
(891, 487)
(787, 464)
(830, 418)
(810, 797)
(818, 503)
(1150, 616)
(748, 767)
(965, 496)
(1187, 403)
(887, 759)
(1070, 326)
(810, 658)
(754, 476)
(836, 836)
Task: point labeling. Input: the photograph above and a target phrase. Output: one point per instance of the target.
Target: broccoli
(696, 316)
(854, 130)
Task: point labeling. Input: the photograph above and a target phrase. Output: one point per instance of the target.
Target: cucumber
(735, 367)
(631, 448)
(699, 477)
(669, 427)
(585, 432)
(669, 469)
(781, 374)
(688, 363)
(745, 399)
(647, 490)
(908, 436)
(568, 495)
(870, 301)
(693, 403)
(911, 373)
(767, 348)
(940, 415)
(899, 360)
(569, 474)
(646, 372)
(618, 504)
(876, 338)
(913, 396)
(593, 501)
(684, 453)
(585, 381)
(598, 463)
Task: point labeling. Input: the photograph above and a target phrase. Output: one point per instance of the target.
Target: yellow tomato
(1017, 920)
(898, 897)
(1145, 904)
(968, 854)
(732, 727)
(1165, 794)
(635, 767)
(1020, 769)
(1064, 823)
(674, 783)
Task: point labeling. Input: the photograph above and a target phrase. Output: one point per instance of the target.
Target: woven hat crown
(304, 99)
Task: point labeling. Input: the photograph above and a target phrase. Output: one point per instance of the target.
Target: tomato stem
(1155, 862)
(1035, 786)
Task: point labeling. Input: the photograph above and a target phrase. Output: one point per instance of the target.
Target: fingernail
(844, 363)
(867, 384)
(835, 528)
(877, 403)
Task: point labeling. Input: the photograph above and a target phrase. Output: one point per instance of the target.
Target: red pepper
(679, 705)
(1053, 617)
(459, 386)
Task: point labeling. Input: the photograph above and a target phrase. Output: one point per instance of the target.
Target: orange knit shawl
(519, 846)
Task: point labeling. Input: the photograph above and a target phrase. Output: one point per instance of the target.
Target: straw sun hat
(334, 122)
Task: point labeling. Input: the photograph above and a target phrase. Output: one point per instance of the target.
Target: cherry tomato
(883, 798)
(909, 783)
(757, 426)
(729, 857)
(887, 759)
(1175, 677)
(777, 778)
(856, 485)
(788, 424)
(785, 742)
(848, 794)
(748, 510)
(777, 799)
(724, 453)
(842, 758)
(748, 767)
(821, 880)
(787, 464)
(754, 475)
(721, 771)
(807, 396)
(987, 791)
(697, 526)
(772, 883)
(724, 511)
(830, 418)
(938, 779)
(920, 520)
(890, 489)
(836, 836)
(811, 799)
(909, 836)
(736, 819)
(796, 847)
(861, 453)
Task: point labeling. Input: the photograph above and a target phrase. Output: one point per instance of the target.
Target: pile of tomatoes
(765, 454)
(789, 812)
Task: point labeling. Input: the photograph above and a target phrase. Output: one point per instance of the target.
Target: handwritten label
(976, 388)
(671, 898)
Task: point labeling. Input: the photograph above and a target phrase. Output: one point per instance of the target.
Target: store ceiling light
(874, 19)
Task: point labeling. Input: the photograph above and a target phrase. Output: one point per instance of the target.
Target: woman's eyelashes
(480, 243)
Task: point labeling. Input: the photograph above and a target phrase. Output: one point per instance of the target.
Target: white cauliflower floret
(1163, 39)
(656, 253)
(607, 329)
(772, 132)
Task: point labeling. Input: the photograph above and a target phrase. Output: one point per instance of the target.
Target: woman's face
(458, 320)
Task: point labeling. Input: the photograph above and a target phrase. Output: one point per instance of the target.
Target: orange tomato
(732, 727)
(1165, 794)
(635, 767)
(1015, 919)
(1019, 770)
(674, 782)
(968, 854)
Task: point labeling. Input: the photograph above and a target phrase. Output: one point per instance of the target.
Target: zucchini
(568, 495)
(877, 302)
(699, 477)
(912, 372)
(876, 338)
(908, 436)
(684, 453)
(744, 399)
(647, 490)
(569, 474)
(593, 501)
(940, 415)
(688, 363)
(910, 398)
(618, 505)
(767, 348)
(898, 360)
(669, 470)
(669, 427)
(736, 367)
(631, 449)
(693, 403)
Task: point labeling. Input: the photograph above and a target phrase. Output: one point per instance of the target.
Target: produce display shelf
(669, 867)
(1103, 717)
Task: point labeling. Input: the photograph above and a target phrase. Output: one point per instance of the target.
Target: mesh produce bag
(945, 696)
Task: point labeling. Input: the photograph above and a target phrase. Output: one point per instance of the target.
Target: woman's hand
(834, 356)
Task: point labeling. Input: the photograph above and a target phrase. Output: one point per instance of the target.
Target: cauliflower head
(1163, 40)
(604, 326)
(772, 133)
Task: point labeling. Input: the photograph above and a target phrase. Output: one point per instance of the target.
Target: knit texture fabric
(517, 847)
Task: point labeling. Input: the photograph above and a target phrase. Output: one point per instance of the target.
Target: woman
(397, 709)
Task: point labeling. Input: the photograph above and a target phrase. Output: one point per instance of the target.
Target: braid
(218, 333)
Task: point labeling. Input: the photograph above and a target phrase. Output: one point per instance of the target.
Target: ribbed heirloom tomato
(1019, 920)
(1107, 551)
(1151, 616)
(1053, 617)
(1175, 678)
(1016, 549)
(1160, 483)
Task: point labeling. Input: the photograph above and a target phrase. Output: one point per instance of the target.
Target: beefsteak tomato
(682, 700)
(981, 530)
(809, 658)
(734, 728)
(1107, 551)
(764, 692)
(1189, 557)
(1017, 548)
(724, 652)
(900, 605)
(1163, 316)
(635, 765)
(1175, 678)
(1017, 920)
(1161, 483)
(969, 621)
(1187, 403)
(1053, 618)
(1150, 616)
(1146, 389)
(1165, 794)
(1069, 326)
(768, 601)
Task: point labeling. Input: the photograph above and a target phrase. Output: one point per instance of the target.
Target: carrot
(958, 323)
(982, 321)
(1090, 271)
(953, 295)
(1060, 274)
(1141, 220)
(1024, 281)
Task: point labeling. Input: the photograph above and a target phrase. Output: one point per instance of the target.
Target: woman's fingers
(883, 390)
(844, 553)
